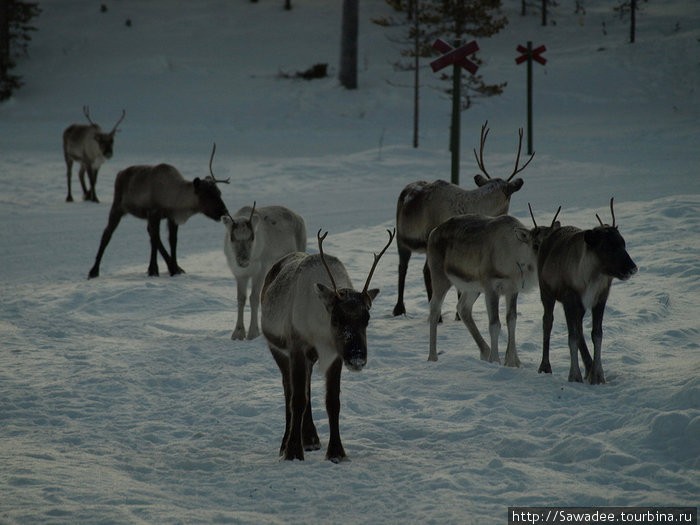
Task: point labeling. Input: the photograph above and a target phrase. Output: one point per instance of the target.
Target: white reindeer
(493, 255)
(254, 240)
(160, 192)
(424, 205)
(576, 267)
(90, 146)
(311, 312)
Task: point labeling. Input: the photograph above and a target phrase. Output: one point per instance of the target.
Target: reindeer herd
(310, 311)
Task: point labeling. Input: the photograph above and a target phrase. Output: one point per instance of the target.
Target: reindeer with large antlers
(90, 146)
(576, 267)
(424, 205)
(160, 192)
(310, 313)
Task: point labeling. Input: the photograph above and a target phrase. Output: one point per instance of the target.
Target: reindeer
(161, 192)
(254, 240)
(311, 312)
(90, 146)
(493, 255)
(576, 267)
(424, 205)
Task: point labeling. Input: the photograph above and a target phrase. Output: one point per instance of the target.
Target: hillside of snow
(123, 398)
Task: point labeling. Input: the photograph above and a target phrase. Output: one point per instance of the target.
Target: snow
(123, 398)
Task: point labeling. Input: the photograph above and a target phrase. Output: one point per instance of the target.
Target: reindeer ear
(480, 180)
(522, 235)
(591, 237)
(514, 186)
(255, 221)
(371, 294)
(556, 225)
(326, 295)
(196, 183)
(227, 221)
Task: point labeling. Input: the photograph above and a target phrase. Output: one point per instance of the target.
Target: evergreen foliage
(450, 20)
(15, 36)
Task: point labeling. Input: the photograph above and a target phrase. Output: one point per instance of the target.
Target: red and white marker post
(457, 57)
(528, 54)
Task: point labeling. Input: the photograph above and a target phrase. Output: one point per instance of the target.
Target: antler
(114, 129)
(211, 159)
(86, 112)
(376, 260)
(323, 259)
(612, 212)
(480, 157)
(533, 215)
(252, 212)
(517, 170)
(555, 217)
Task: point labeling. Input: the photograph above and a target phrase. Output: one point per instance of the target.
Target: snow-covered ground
(124, 400)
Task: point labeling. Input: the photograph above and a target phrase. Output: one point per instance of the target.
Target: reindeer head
(609, 246)
(104, 140)
(540, 233)
(241, 234)
(506, 186)
(209, 195)
(349, 312)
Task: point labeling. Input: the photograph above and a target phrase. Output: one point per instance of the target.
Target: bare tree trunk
(348, 44)
(4, 38)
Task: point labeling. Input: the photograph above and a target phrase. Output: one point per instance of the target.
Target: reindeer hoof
(399, 309)
(94, 272)
(545, 367)
(238, 333)
(69, 198)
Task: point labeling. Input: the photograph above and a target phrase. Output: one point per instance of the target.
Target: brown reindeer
(576, 267)
(90, 146)
(424, 205)
(160, 192)
(310, 313)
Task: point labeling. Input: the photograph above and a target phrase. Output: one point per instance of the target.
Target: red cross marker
(536, 54)
(455, 56)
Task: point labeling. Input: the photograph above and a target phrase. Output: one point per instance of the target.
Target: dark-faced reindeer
(424, 205)
(255, 239)
(90, 146)
(576, 267)
(311, 312)
(160, 192)
(493, 255)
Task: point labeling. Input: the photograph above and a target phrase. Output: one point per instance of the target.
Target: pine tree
(452, 20)
(15, 29)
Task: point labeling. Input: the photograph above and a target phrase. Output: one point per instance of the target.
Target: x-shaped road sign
(536, 54)
(455, 56)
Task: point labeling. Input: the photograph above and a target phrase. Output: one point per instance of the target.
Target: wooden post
(529, 97)
(456, 113)
(416, 78)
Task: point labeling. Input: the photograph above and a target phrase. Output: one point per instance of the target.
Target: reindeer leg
(298, 401)
(594, 371)
(441, 285)
(172, 239)
(92, 178)
(154, 234)
(81, 178)
(511, 317)
(404, 257)
(115, 215)
(253, 330)
(309, 435)
(548, 303)
(69, 176)
(464, 307)
(335, 452)
(241, 287)
(282, 361)
(574, 321)
(494, 323)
